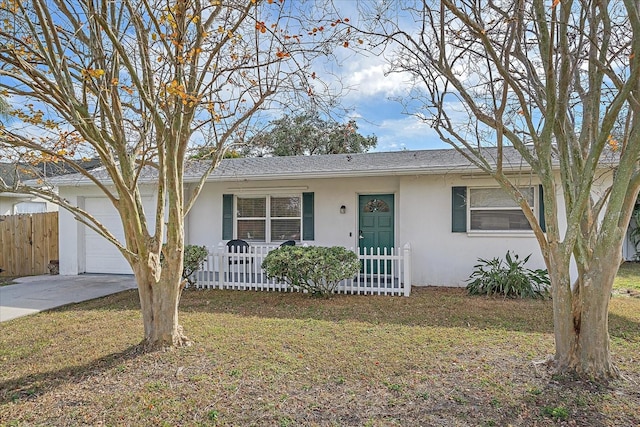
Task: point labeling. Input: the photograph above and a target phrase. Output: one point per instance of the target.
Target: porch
(383, 271)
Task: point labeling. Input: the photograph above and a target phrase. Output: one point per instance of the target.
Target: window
(376, 205)
(285, 218)
(268, 218)
(493, 209)
(252, 218)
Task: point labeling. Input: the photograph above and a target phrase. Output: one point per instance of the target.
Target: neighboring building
(17, 203)
(449, 212)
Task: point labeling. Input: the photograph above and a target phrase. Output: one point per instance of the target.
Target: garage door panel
(101, 256)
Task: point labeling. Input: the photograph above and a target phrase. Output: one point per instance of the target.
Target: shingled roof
(325, 166)
(371, 164)
(10, 172)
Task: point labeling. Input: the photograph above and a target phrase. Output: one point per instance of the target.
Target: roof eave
(431, 170)
(17, 195)
(345, 174)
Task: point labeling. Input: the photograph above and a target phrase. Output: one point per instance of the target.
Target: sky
(372, 98)
(377, 112)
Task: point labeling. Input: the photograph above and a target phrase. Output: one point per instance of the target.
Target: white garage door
(101, 255)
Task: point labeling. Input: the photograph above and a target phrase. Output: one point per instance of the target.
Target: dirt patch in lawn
(438, 357)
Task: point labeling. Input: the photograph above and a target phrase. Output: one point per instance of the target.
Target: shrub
(315, 269)
(509, 278)
(193, 258)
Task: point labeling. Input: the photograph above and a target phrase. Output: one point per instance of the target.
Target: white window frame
(267, 218)
(471, 209)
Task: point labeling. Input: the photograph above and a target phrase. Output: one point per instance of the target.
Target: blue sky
(372, 96)
(376, 110)
(370, 99)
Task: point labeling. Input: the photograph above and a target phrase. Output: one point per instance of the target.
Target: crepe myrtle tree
(139, 84)
(558, 82)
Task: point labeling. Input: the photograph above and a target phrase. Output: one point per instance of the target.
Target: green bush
(315, 269)
(194, 256)
(192, 259)
(509, 278)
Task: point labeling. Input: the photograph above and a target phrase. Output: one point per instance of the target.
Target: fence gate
(28, 243)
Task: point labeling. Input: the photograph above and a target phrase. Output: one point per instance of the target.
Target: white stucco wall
(6, 205)
(9, 200)
(331, 227)
(440, 256)
(422, 219)
(629, 250)
(70, 236)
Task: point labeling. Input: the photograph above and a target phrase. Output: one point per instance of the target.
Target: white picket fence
(383, 272)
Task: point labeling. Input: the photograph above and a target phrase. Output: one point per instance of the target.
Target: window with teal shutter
(459, 209)
(491, 209)
(269, 218)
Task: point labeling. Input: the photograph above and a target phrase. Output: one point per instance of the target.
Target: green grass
(628, 277)
(438, 357)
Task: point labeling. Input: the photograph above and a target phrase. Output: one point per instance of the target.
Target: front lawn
(628, 279)
(437, 358)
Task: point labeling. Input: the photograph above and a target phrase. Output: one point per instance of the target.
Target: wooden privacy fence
(28, 242)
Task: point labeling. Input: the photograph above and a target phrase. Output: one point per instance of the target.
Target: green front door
(375, 226)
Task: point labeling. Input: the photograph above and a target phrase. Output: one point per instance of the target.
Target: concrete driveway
(36, 293)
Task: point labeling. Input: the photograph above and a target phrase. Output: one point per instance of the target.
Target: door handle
(360, 236)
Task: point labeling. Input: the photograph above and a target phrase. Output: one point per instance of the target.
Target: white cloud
(357, 75)
(402, 132)
(369, 79)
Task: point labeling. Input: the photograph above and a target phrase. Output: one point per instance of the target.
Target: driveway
(37, 293)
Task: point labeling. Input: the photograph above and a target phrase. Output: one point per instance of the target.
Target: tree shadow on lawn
(624, 328)
(30, 386)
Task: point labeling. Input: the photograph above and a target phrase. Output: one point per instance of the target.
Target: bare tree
(138, 84)
(558, 81)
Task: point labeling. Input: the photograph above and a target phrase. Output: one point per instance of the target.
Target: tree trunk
(563, 325)
(581, 317)
(593, 355)
(159, 304)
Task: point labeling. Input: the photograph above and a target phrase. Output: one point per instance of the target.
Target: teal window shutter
(307, 217)
(541, 219)
(227, 216)
(459, 209)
